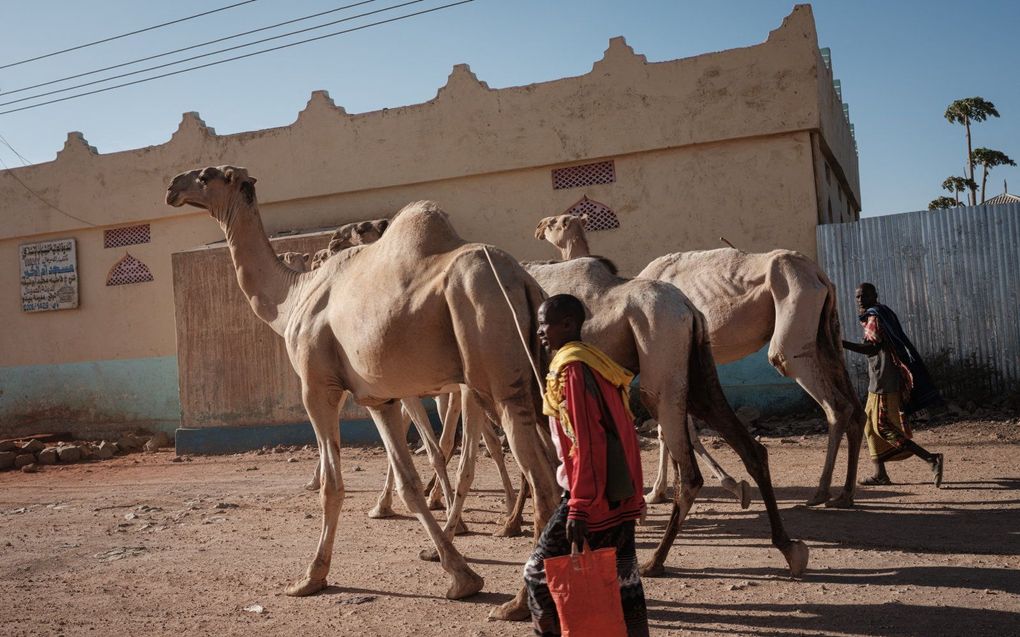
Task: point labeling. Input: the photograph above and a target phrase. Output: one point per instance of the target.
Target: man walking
(600, 464)
(898, 385)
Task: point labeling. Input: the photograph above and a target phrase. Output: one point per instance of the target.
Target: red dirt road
(137, 546)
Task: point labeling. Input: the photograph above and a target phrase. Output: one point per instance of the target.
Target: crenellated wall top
(624, 105)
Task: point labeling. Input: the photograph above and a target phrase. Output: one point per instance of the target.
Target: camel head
(559, 230)
(219, 189)
(357, 234)
(297, 261)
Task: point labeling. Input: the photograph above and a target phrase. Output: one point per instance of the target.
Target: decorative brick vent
(128, 270)
(126, 236)
(600, 216)
(603, 172)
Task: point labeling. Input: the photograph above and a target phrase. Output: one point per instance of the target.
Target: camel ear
(305, 257)
(583, 218)
(383, 224)
(233, 174)
(540, 230)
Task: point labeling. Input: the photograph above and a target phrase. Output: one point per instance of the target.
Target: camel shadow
(880, 620)
(971, 527)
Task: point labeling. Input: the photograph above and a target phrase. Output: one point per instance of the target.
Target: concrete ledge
(220, 440)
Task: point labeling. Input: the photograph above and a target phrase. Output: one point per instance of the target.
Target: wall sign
(49, 275)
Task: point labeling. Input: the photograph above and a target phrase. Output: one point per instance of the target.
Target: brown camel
(781, 298)
(406, 316)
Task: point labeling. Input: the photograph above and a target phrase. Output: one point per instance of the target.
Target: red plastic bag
(587, 593)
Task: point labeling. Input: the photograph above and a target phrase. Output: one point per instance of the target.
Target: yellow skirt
(885, 429)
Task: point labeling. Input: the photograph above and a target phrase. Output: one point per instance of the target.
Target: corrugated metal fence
(952, 276)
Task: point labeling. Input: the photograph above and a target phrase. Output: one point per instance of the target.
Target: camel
(749, 299)
(363, 233)
(405, 316)
(651, 327)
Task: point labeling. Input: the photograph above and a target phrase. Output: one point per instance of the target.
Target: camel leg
(755, 458)
(384, 503)
(315, 482)
(740, 490)
(435, 456)
(676, 437)
(842, 421)
(516, 515)
(537, 475)
(387, 418)
(495, 448)
(658, 493)
(450, 410)
(323, 407)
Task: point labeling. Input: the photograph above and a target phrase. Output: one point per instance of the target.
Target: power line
(188, 48)
(210, 53)
(13, 150)
(124, 35)
(239, 57)
(7, 171)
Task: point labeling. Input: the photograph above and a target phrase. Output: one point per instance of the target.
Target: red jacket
(584, 464)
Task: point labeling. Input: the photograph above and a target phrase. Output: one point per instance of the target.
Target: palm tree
(956, 185)
(989, 159)
(943, 202)
(964, 111)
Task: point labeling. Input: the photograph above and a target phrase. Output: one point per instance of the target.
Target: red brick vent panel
(600, 216)
(603, 172)
(128, 270)
(126, 236)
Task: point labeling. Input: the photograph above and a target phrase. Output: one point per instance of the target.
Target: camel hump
(422, 227)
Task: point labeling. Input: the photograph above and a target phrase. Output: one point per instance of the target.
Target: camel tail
(706, 398)
(830, 343)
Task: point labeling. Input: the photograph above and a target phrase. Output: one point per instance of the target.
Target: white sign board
(49, 275)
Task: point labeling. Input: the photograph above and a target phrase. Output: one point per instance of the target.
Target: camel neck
(266, 282)
(576, 247)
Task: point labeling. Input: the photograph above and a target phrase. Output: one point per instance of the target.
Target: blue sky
(900, 64)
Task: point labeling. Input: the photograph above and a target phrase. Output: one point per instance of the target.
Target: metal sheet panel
(951, 275)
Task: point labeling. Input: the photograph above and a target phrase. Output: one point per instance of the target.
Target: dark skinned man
(600, 464)
(898, 385)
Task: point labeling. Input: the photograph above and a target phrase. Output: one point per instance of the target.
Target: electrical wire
(238, 57)
(205, 55)
(187, 48)
(124, 35)
(7, 171)
(13, 150)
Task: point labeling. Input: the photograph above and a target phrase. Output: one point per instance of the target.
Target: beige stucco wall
(714, 145)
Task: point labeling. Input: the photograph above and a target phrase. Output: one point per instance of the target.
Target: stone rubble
(16, 454)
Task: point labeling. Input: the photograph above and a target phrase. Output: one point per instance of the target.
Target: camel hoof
(796, 554)
(819, 498)
(436, 504)
(656, 497)
(511, 528)
(305, 587)
(465, 586)
(429, 555)
(461, 529)
(842, 501)
(745, 494)
(512, 611)
(652, 569)
(312, 486)
(378, 512)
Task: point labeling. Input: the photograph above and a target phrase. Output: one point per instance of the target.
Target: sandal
(936, 470)
(875, 481)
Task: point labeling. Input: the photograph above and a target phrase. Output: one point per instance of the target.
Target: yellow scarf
(576, 351)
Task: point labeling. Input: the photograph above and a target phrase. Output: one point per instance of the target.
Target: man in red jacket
(600, 464)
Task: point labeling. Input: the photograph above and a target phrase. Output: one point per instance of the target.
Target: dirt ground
(140, 545)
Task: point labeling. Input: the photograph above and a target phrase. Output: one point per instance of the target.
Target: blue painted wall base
(218, 440)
